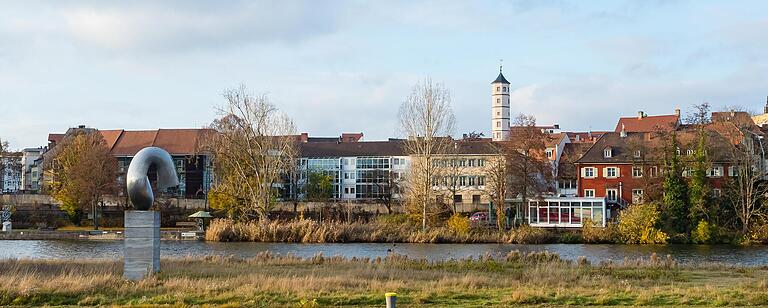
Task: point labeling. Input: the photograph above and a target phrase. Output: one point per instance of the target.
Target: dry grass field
(537, 279)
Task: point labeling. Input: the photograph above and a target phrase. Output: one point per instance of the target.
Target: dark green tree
(676, 198)
(319, 186)
(700, 190)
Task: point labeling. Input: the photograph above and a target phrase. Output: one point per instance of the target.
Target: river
(78, 249)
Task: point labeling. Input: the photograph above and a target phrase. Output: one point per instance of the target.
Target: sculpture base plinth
(142, 244)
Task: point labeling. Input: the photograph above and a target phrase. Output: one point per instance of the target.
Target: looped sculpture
(139, 188)
(142, 227)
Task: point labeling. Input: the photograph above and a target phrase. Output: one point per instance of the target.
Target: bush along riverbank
(386, 230)
(637, 225)
(515, 279)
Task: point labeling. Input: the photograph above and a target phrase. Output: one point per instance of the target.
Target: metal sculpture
(139, 188)
(142, 227)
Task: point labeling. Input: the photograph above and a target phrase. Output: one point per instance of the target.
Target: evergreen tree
(699, 189)
(676, 197)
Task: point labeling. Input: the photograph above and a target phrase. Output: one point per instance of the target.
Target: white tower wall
(500, 110)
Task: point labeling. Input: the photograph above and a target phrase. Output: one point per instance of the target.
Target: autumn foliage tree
(80, 170)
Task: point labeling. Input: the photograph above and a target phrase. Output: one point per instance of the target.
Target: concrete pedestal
(7, 226)
(142, 244)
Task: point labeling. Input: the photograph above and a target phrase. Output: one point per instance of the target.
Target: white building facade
(10, 179)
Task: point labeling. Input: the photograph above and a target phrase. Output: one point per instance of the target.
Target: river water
(78, 249)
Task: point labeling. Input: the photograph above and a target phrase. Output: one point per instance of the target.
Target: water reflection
(64, 249)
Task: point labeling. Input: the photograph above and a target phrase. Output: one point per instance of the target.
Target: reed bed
(513, 279)
(309, 231)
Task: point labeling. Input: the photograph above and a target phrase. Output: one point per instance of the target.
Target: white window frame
(586, 170)
(607, 153)
(589, 193)
(615, 194)
(637, 195)
(715, 172)
(717, 193)
(607, 175)
(639, 172)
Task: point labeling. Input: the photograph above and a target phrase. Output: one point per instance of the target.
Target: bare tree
(497, 184)
(427, 120)
(531, 173)
(253, 149)
(748, 189)
(455, 166)
(388, 186)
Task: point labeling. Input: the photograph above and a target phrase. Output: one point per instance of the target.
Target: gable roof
(129, 142)
(648, 124)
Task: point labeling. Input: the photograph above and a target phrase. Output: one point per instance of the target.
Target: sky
(346, 66)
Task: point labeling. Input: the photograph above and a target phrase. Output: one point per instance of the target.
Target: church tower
(500, 108)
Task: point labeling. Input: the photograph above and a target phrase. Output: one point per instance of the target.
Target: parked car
(479, 218)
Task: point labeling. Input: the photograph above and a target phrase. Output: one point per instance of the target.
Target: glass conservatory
(566, 212)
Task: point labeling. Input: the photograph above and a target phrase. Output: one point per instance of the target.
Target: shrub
(637, 225)
(530, 235)
(592, 233)
(703, 233)
(458, 223)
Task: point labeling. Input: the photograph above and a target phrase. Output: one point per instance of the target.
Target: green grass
(518, 279)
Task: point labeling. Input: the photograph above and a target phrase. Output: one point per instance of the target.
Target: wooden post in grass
(391, 299)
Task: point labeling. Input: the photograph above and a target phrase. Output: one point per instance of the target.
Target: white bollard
(391, 300)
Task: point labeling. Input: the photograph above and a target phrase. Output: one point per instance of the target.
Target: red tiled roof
(130, 142)
(178, 141)
(55, 138)
(111, 136)
(648, 124)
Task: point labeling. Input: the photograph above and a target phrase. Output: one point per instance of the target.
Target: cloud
(173, 26)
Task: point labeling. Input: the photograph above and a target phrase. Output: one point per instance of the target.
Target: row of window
(637, 172)
(464, 180)
(459, 162)
(612, 194)
(565, 212)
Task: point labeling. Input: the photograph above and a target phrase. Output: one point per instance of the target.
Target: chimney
(304, 137)
(640, 115)
(677, 112)
(623, 131)
(81, 126)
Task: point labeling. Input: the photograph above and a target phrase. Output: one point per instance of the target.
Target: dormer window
(608, 153)
(638, 154)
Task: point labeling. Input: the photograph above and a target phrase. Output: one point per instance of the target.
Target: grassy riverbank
(515, 279)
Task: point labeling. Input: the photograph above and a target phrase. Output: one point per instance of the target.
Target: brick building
(627, 167)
